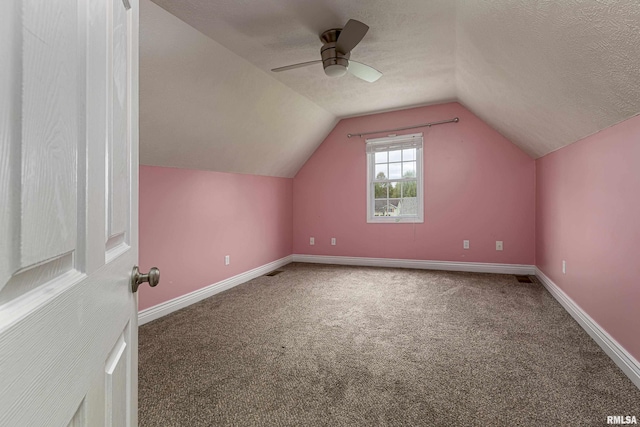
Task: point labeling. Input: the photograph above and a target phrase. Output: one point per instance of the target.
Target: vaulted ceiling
(543, 73)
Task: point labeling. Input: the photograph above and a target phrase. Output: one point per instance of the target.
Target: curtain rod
(454, 120)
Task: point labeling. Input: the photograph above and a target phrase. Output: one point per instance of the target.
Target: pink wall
(189, 220)
(588, 213)
(478, 186)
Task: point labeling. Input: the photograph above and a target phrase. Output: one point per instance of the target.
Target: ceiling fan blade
(350, 36)
(363, 71)
(300, 65)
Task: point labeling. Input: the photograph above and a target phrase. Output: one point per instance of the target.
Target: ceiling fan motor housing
(335, 63)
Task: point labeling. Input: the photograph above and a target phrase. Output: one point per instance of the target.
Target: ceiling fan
(336, 52)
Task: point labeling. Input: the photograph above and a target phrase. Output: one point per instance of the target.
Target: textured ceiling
(412, 42)
(203, 107)
(548, 73)
(543, 73)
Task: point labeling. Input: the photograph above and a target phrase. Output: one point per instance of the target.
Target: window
(394, 179)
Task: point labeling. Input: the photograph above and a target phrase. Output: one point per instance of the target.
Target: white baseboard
(474, 267)
(629, 365)
(162, 309)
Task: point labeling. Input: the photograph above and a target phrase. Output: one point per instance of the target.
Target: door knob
(137, 278)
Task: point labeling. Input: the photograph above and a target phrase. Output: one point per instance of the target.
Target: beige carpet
(346, 346)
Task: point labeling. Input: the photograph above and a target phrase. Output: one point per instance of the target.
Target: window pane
(408, 169)
(381, 157)
(395, 170)
(393, 209)
(380, 208)
(394, 190)
(380, 191)
(409, 154)
(381, 171)
(395, 156)
(409, 189)
(408, 206)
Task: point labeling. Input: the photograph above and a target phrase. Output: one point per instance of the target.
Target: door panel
(10, 106)
(51, 124)
(79, 419)
(44, 158)
(116, 378)
(118, 153)
(68, 212)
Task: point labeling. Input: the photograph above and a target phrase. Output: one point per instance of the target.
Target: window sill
(394, 220)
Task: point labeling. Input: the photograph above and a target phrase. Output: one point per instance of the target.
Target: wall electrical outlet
(499, 245)
(227, 260)
(333, 241)
(312, 241)
(465, 244)
(564, 267)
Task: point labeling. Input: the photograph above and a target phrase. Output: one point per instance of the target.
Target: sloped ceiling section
(412, 42)
(543, 73)
(548, 73)
(204, 107)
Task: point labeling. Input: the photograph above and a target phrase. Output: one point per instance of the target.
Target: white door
(68, 212)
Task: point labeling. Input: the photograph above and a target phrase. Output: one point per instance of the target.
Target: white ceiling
(548, 73)
(203, 107)
(412, 42)
(543, 73)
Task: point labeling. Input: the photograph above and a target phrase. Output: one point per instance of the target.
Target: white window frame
(391, 141)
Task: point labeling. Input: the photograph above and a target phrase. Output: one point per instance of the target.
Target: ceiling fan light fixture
(335, 52)
(335, 70)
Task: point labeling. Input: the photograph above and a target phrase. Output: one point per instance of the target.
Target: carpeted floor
(345, 346)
